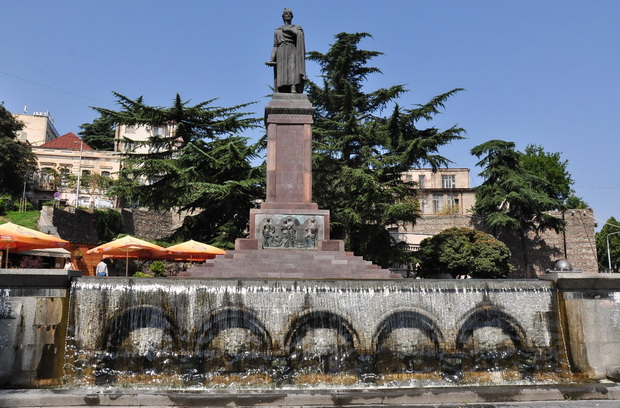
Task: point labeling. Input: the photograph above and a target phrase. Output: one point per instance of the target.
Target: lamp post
(77, 190)
(608, 252)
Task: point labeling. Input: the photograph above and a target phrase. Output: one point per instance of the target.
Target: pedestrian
(69, 265)
(102, 269)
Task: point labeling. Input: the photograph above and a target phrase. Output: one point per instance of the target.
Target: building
(444, 191)
(65, 160)
(440, 193)
(38, 128)
(131, 139)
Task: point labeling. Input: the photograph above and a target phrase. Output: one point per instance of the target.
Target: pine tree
(512, 198)
(204, 165)
(99, 134)
(360, 155)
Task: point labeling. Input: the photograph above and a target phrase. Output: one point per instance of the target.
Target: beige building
(444, 191)
(38, 128)
(65, 160)
(130, 139)
(441, 192)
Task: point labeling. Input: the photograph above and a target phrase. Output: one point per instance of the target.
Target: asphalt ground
(553, 396)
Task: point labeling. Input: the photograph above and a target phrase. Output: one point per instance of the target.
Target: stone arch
(137, 340)
(232, 318)
(489, 316)
(491, 339)
(233, 340)
(135, 318)
(407, 341)
(321, 342)
(407, 319)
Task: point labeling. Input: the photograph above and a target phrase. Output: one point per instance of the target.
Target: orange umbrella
(20, 238)
(122, 247)
(194, 250)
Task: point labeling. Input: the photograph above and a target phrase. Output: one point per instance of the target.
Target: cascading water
(286, 333)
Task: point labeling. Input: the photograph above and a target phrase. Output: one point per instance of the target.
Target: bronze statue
(288, 56)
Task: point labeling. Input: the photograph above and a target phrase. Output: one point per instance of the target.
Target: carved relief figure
(288, 56)
(269, 231)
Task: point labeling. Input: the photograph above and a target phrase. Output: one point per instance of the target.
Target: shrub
(464, 252)
(141, 275)
(158, 268)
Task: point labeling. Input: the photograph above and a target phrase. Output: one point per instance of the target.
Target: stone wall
(577, 243)
(79, 226)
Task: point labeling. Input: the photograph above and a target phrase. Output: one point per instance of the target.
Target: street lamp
(609, 253)
(77, 191)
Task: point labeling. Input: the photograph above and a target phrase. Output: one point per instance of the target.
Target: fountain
(289, 309)
(203, 333)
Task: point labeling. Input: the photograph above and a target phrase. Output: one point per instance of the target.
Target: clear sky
(540, 72)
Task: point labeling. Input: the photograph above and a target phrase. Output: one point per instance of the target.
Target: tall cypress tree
(203, 165)
(360, 155)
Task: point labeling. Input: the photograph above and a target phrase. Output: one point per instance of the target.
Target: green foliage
(552, 168)
(360, 155)
(99, 134)
(520, 190)
(610, 232)
(17, 162)
(28, 219)
(109, 224)
(511, 197)
(464, 252)
(7, 204)
(141, 275)
(574, 202)
(158, 268)
(203, 165)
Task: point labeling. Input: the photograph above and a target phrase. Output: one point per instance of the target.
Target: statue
(288, 56)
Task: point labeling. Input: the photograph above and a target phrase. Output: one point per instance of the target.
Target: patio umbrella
(19, 238)
(129, 246)
(194, 250)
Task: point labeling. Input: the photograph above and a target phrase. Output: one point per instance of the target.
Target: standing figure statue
(288, 56)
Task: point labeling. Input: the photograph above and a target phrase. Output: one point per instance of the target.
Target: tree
(609, 233)
(17, 162)
(511, 198)
(99, 134)
(360, 155)
(203, 165)
(463, 252)
(552, 168)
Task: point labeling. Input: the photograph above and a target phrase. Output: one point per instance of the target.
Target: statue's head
(287, 13)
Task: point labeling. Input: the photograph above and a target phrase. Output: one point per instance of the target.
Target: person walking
(102, 269)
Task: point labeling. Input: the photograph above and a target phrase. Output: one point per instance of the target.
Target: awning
(53, 252)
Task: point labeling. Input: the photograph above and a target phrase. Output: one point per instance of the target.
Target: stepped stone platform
(289, 264)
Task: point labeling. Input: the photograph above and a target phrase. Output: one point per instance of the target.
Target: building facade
(71, 173)
(38, 128)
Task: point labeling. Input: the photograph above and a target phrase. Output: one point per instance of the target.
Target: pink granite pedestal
(289, 235)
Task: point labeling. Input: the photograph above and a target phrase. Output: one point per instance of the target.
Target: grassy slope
(26, 219)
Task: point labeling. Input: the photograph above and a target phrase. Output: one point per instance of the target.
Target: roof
(68, 141)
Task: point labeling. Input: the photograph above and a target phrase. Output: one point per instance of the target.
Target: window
(422, 181)
(448, 181)
(437, 203)
(105, 174)
(65, 176)
(130, 130)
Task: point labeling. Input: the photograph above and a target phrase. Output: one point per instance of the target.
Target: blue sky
(540, 72)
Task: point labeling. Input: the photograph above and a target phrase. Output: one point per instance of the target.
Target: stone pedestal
(288, 218)
(289, 235)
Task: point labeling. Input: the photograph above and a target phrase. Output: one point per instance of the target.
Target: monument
(289, 235)
(339, 331)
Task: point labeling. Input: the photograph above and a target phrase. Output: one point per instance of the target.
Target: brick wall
(577, 243)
